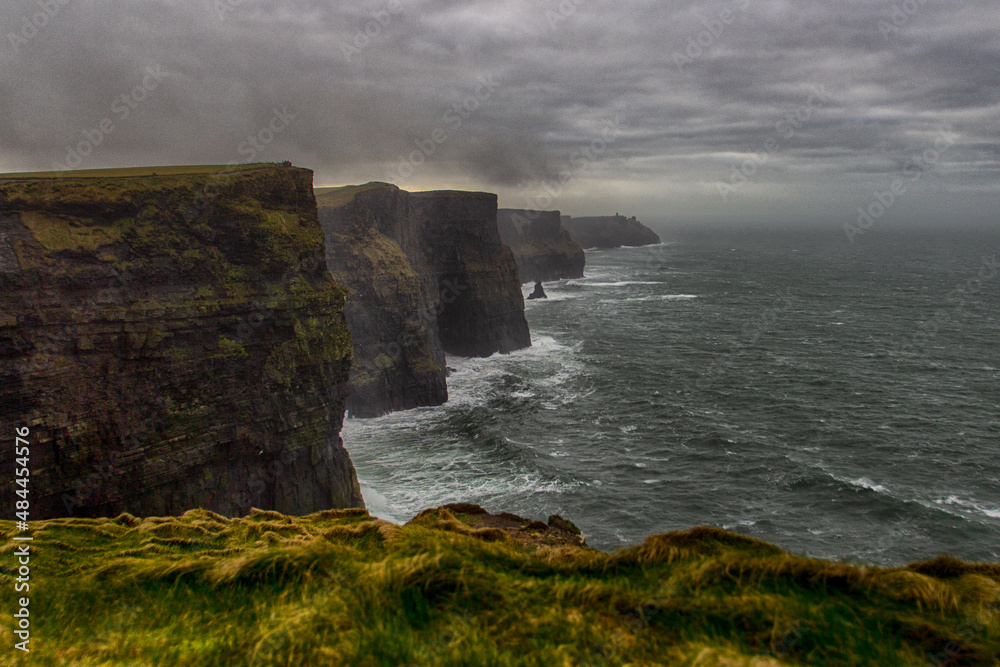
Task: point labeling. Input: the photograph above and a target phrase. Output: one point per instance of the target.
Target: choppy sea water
(838, 400)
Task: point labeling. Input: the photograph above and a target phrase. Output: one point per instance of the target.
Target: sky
(794, 112)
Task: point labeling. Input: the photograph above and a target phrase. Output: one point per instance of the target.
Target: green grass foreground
(342, 588)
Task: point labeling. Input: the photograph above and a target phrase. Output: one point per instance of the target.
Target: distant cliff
(611, 231)
(172, 342)
(542, 248)
(399, 361)
(426, 274)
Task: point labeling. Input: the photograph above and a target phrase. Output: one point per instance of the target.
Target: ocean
(839, 400)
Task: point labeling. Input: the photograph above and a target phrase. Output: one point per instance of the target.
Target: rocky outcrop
(611, 231)
(542, 248)
(474, 521)
(538, 293)
(172, 342)
(426, 274)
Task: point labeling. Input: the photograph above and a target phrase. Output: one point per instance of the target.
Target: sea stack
(538, 293)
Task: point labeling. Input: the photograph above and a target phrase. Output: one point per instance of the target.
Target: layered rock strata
(426, 275)
(172, 342)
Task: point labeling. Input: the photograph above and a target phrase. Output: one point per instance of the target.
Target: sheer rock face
(426, 274)
(173, 342)
(399, 362)
(543, 249)
(475, 271)
(610, 231)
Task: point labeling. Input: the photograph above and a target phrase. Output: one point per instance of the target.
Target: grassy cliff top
(334, 197)
(232, 227)
(455, 587)
(125, 172)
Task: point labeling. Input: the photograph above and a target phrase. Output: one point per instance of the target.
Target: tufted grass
(343, 588)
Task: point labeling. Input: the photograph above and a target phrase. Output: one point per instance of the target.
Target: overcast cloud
(796, 111)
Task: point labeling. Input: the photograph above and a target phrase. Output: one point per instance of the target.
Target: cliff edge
(609, 231)
(459, 586)
(172, 342)
(426, 274)
(542, 248)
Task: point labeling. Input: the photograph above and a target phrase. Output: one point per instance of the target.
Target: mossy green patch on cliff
(67, 233)
(232, 348)
(280, 235)
(341, 588)
(165, 217)
(315, 340)
(386, 256)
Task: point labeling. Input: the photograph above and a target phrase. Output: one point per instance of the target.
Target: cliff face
(173, 342)
(542, 248)
(426, 274)
(399, 361)
(480, 306)
(611, 231)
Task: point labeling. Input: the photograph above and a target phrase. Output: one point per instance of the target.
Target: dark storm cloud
(493, 95)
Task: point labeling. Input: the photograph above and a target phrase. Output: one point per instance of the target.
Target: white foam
(969, 505)
(376, 503)
(865, 483)
(619, 283)
(658, 297)
(551, 297)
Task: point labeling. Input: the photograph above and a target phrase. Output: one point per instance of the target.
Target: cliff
(172, 342)
(458, 586)
(426, 274)
(610, 231)
(399, 361)
(542, 248)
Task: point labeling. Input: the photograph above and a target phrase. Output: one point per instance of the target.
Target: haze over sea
(840, 400)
